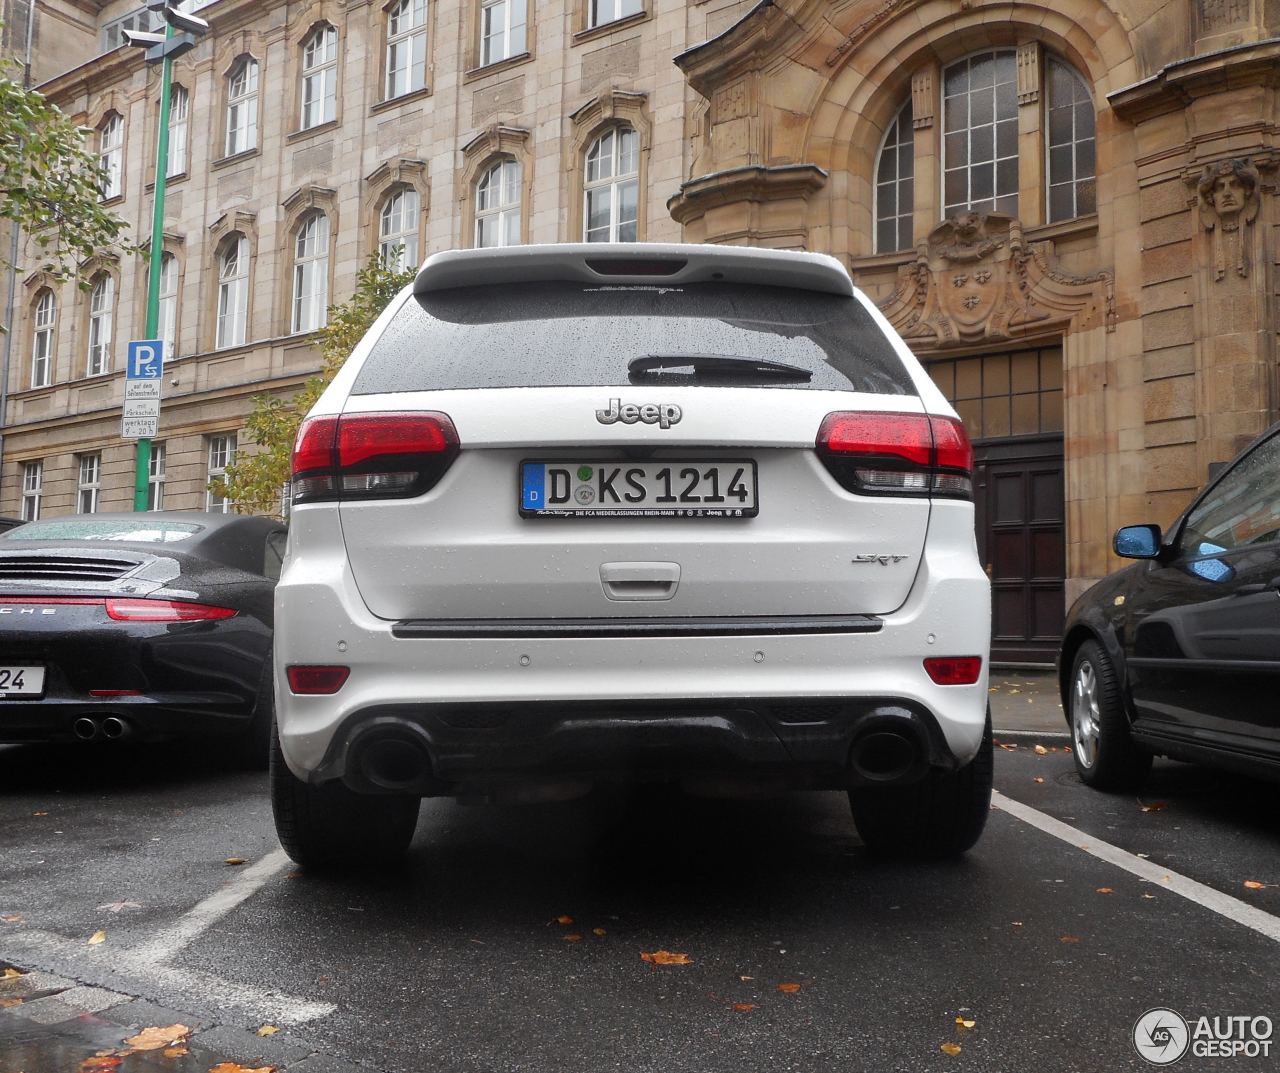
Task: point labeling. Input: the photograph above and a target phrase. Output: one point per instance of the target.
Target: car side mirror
(1138, 542)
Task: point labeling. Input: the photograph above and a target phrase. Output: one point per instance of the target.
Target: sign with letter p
(145, 359)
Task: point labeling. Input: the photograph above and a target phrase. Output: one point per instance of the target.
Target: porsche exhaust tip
(86, 729)
(115, 728)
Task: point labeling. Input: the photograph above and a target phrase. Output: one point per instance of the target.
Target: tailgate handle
(640, 581)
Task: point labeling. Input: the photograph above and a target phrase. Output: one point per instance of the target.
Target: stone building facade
(1068, 209)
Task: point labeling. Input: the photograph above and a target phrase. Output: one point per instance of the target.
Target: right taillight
(371, 456)
(897, 454)
(316, 680)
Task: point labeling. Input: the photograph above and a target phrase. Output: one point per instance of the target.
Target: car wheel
(1105, 754)
(330, 825)
(941, 816)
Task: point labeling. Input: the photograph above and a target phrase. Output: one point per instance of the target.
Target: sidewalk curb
(1037, 735)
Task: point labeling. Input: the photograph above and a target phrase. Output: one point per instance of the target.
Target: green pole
(142, 468)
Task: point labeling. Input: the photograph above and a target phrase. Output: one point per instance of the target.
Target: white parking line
(1207, 897)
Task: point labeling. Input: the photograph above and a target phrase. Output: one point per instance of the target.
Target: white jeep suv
(587, 513)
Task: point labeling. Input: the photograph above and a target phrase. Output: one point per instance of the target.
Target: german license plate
(648, 489)
(21, 682)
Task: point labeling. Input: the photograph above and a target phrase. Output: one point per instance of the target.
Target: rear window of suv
(571, 335)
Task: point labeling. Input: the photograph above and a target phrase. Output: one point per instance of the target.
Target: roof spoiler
(633, 263)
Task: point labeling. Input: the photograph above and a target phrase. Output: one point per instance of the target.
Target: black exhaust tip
(886, 756)
(396, 764)
(114, 728)
(86, 729)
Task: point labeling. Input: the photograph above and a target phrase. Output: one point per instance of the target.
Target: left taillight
(900, 454)
(134, 610)
(371, 456)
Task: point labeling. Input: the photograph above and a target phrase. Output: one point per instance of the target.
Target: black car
(149, 626)
(1179, 654)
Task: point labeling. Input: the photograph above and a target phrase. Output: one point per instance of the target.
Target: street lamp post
(181, 31)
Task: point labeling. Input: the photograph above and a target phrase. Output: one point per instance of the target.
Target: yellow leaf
(1105, 890)
(665, 957)
(598, 931)
(268, 1030)
(1253, 884)
(156, 1038)
(574, 938)
(950, 1048)
(9, 974)
(7, 1003)
(744, 1007)
(175, 1052)
(1008, 748)
(1041, 751)
(564, 920)
(788, 989)
(234, 860)
(964, 1023)
(11, 918)
(97, 937)
(236, 1067)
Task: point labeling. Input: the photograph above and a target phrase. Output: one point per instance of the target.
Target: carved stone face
(1228, 194)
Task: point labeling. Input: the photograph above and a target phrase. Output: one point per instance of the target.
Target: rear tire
(330, 825)
(1104, 752)
(941, 816)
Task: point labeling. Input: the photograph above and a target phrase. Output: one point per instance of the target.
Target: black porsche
(149, 626)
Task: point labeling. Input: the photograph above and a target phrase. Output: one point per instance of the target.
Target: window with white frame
(320, 77)
(603, 11)
(155, 477)
(406, 48)
(233, 292)
(498, 198)
(895, 185)
(311, 274)
(980, 134)
(222, 452)
(612, 187)
(503, 30)
(102, 304)
(111, 155)
(32, 490)
(42, 340)
(88, 483)
(398, 229)
(1072, 183)
(242, 107)
(168, 320)
(179, 101)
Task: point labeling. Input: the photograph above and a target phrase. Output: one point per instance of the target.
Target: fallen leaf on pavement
(1253, 884)
(101, 1063)
(1105, 890)
(598, 931)
(234, 860)
(236, 1067)
(39, 814)
(268, 1030)
(9, 1003)
(788, 989)
(574, 938)
(1155, 806)
(744, 979)
(950, 1048)
(665, 957)
(10, 973)
(744, 1007)
(1068, 939)
(1010, 747)
(1014, 690)
(157, 1037)
(564, 920)
(1039, 778)
(97, 937)
(1152, 896)
(175, 1052)
(1041, 751)
(11, 918)
(119, 907)
(1016, 923)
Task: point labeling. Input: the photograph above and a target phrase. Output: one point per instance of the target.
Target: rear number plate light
(649, 489)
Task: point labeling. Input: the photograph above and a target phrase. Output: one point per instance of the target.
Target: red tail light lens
(164, 611)
(897, 454)
(311, 680)
(371, 456)
(954, 670)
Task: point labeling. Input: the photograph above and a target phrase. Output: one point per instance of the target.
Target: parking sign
(144, 366)
(145, 359)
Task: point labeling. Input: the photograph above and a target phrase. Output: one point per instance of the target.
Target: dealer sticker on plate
(648, 489)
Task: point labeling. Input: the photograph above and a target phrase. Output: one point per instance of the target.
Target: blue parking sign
(145, 359)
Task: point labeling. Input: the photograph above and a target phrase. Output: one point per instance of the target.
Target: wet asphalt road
(457, 961)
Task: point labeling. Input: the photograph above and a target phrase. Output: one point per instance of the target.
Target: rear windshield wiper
(702, 367)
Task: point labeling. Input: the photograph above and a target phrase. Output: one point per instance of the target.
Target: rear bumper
(152, 718)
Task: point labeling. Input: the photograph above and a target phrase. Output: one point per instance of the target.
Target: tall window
(32, 490)
(311, 273)
(980, 134)
(102, 303)
(111, 155)
(1072, 186)
(406, 47)
(43, 339)
(233, 292)
(498, 205)
(178, 105)
(222, 452)
(502, 30)
(398, 229)
(155, 478)
(612, 186)
(242, 107)
(168, 322)
(602, 11)
(320, 77)
(88, 483)
(895, 185)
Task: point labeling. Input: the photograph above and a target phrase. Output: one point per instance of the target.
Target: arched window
(498, 198)
(42, 342)
(1072, 185)
(167, 322)
(612, 187)
(406, 47)
(503, 25)
(102, 306)
(178, 104)
(311, 273)
(111, 155)
(233, 292)
(980, 134)
(895, 185)
(320, 77)
(242, 107)
(398, 229)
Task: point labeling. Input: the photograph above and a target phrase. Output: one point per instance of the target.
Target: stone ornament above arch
(231, 49)
(306, 198)
(305, 19)
(612, 106)
(977, 279)
(378, 184)
(494, 141)
(237, 220)
(111, 101)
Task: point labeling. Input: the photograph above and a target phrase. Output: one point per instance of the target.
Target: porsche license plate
(21, 682)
